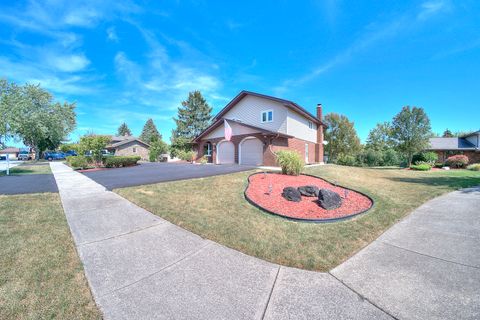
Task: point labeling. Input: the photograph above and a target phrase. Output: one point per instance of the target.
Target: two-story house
(468, 145)
(261, 125)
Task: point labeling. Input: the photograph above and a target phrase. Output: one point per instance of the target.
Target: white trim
(240, 148)
(307, 153)
(261, 116)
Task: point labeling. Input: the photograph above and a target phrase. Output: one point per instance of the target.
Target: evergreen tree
(193, 117)
(150, 132)
(123, 130)
(447, 134)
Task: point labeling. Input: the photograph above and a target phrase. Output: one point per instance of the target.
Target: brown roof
(124, 141)
(10, 150)
(214, 125)
(289, 104)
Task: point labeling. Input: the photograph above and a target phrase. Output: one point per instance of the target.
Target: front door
(207, 152)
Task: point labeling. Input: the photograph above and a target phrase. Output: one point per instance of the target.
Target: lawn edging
(327, 220)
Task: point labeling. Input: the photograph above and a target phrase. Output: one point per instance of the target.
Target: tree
(10, 100)
(157, 148)
(150, 132)
(380, 137)
(447, 134)
(35, 118)
(341, 136)
(94, 144)
(410, 131)
(193, 117)
(123, 130)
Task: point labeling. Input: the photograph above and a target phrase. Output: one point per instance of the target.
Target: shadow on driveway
(148, 173)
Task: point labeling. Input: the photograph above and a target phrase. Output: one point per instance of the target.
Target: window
(267, 116)
(310, 124)
(134, 150)
(207, 149)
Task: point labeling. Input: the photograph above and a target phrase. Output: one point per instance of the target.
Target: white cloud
(112, 34)
(431, 8)
(67, 63)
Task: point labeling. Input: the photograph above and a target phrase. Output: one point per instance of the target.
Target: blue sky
(129, 61)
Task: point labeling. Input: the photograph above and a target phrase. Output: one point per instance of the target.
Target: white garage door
(225, 152)
(251, 152)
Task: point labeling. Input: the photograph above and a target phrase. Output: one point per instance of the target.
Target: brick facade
(127, 149)
(473, 156)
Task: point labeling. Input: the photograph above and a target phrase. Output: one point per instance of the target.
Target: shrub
(373, 158)
(439, 165)
(203, 160)
(391, 158)
(78, 162)
(186, 155)
(474, 167)
(428, 157)
(346, 160)
(420, 167)
(290, 162)
(458, 161)
(121, 161)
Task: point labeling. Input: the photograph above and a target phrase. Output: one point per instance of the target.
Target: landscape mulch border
(327, 220)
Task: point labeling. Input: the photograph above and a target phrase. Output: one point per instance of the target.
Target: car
(2, 158)
(24, 155)
(50, 156)
(71, 153)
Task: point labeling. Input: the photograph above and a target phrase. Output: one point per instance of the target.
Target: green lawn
(41, 276)
(215, 208)
(26, 168)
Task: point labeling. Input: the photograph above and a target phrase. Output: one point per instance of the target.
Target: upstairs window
(310, 124)
(267, 116)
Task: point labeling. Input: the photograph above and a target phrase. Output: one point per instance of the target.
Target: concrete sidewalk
(140, 266)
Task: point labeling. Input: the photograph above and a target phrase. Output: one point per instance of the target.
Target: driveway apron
(140, 266)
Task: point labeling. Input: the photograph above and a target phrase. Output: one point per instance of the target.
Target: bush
(420, 167)
(346, 160)
(186, 155)
(121, 161)
(474, 167)
(391, 158)
(458, 161)
(290, 162)
(373, 158)
(78, 162)
(428, 157)
(439, 165)
(203, 160)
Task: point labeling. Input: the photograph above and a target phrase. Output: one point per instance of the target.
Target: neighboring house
(261, 125)
(12, 152)
(468, 145)
(128, 146)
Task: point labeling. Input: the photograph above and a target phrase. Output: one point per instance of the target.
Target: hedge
(121, 161)
(420, 167)
(78, 162)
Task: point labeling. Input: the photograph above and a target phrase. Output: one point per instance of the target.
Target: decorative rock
(291, 194)
(328, 199)
(308, 191)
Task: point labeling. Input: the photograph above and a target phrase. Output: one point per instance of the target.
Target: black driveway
(148, 173)
(28, 183)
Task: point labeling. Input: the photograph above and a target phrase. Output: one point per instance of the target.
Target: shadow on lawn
(450, 182)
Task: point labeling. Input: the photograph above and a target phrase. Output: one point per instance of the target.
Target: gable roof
(10, 150)
(218, 122)
(454, 143)
(125, 141)
(470, 134)
(287, 103)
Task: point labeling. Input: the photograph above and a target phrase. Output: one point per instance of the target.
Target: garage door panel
(226, 152)
(251, 152)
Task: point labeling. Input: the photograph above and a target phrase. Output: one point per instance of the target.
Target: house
(11, 152)
(128, 146)
(468, 145)
(261, 125)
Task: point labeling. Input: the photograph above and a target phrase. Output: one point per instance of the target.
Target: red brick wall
(473, 156)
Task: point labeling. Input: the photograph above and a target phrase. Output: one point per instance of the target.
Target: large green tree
(380, 137)
(341, 136)
(124, 130)
(410, 131)
(150, 133)
(194, 116)
(30, 113)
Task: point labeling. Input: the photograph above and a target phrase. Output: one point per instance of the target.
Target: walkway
(140, 266)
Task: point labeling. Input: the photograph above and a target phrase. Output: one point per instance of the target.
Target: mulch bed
(307, 209)
(92, 169)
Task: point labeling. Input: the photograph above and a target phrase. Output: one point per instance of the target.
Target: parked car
(24, 155)
(2, 158)
(70, 153)
(50, 156)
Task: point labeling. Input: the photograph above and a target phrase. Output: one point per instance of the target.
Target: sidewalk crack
(271, 293)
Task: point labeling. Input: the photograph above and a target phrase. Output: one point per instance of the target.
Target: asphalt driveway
(148, 173)
(29, 183)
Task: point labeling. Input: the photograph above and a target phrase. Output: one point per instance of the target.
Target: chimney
(319, 111)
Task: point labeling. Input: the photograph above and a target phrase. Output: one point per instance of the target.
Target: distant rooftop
(454, 143)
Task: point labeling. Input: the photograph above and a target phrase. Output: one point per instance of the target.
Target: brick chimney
(319, 147)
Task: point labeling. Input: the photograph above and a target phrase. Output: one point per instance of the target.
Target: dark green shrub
(429, 157)
(290, 162)
(78, 162)
(420, 167)
(346, 160)
(439, 165)
(121, 161)
(458, 161)
(391, 158)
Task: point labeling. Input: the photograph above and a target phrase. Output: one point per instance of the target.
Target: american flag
(228, 130)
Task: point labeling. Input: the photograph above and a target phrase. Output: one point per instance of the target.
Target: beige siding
(297, 126)
(127, 150)
(237, 129)
(249, 110)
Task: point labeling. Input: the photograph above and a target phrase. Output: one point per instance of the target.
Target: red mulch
(308, 208)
